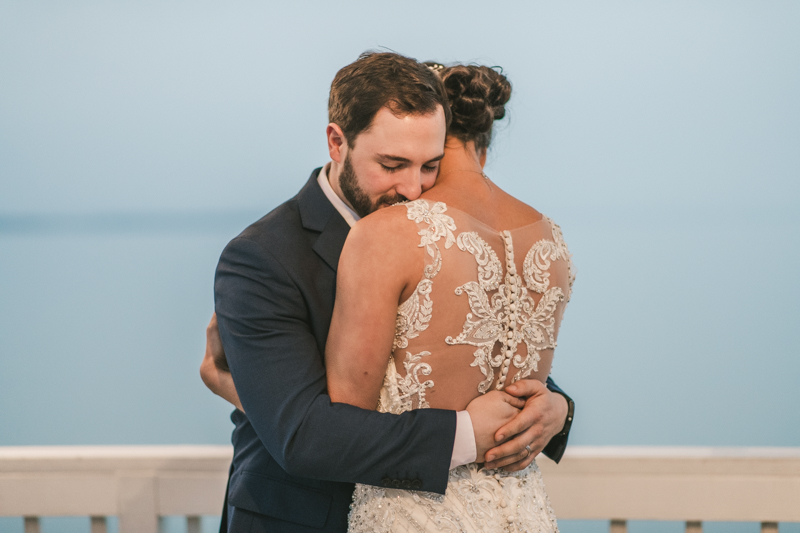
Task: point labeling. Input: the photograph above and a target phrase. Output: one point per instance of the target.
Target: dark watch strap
(570, 414)
(558, 444)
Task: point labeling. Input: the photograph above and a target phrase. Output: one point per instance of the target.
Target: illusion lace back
(485, 313)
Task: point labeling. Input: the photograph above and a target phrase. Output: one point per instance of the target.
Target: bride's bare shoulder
(385, 229)
(383, 247)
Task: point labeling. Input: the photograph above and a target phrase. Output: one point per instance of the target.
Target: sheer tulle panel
(486, 312)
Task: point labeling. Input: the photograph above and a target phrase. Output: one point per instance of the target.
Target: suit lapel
(330, 243)
(319, 215)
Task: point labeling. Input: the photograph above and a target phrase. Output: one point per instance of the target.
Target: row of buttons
(414, 484)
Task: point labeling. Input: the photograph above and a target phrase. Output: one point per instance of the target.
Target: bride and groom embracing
(435, 319)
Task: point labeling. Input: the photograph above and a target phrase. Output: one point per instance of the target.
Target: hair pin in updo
(436, 67)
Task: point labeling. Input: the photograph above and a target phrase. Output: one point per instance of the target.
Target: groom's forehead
(405, 133)
(388, 124)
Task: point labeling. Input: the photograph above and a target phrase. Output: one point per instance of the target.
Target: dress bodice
(485, 313)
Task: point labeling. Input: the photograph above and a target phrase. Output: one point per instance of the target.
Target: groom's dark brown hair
(383, 79)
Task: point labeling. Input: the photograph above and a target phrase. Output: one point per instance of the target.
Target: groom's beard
(357, 197)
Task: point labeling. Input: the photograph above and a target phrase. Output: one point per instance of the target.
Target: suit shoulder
(281, 223)
(276, 235)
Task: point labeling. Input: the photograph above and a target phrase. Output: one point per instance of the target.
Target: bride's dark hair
(477, 96)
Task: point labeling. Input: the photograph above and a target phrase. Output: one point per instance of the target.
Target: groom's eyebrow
(394, 158)
(399, 159)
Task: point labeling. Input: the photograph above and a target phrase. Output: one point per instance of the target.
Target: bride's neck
(461, 161)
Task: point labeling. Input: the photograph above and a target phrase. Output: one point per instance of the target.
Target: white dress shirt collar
(348, 214)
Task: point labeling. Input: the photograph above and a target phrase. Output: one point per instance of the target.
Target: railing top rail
(114, 458)
(683, 452)
(113, 452)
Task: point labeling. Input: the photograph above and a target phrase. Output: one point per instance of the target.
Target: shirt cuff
(464, 448)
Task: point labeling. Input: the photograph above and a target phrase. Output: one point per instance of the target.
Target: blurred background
(136, 139)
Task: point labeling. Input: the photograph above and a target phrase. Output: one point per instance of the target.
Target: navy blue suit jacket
(297, 454)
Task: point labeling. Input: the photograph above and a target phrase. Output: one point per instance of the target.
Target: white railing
(135, 483)
(684, 484)
(140, 483)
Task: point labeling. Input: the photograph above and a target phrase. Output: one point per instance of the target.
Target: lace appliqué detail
(490, 271)
(414, 314)
(537, 262)
(510, 316)
(476, 501)
(398, 392)
(439, 225)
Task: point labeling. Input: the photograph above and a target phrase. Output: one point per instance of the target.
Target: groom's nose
(410, 184)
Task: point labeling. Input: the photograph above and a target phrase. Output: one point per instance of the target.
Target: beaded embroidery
(511, 316)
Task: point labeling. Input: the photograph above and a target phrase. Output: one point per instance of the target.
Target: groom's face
(395, 159)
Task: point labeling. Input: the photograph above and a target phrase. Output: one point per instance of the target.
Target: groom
(297, 454)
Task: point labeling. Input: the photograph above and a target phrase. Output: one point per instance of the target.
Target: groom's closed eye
(425, 168)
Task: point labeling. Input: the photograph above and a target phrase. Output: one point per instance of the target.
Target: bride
(482, 280)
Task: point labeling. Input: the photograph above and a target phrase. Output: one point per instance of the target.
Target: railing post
(769, 527)
(694, 527)
(192, 524)
(619, 526)
(137, 504)
(32, 524)
(99, 524)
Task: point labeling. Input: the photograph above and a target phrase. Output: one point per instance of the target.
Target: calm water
(682, 329)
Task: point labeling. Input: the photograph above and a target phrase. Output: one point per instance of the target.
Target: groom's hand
(489, 411)
(542, 418)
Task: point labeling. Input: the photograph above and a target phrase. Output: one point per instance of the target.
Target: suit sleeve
(558, 444)
(279, 375)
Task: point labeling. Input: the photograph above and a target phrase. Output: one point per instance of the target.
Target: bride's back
(497, 273)
(486, 310)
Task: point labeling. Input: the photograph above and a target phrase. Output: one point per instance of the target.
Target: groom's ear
(336, 142)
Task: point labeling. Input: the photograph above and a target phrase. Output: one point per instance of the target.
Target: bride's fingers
(519, 465)
(509, 460)
(526, 387)
(525, 420)
(519, 403)
(512, 460)
(515, 449)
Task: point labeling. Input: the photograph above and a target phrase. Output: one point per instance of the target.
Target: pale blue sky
(195, 105)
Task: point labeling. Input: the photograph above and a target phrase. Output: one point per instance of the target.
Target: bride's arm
(379, 267)
(214, 369)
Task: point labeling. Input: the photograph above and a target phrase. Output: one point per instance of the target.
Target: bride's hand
(542, 418)
(214, 369)
(487, 413)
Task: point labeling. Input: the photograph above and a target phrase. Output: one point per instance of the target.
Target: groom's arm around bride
(296, 454)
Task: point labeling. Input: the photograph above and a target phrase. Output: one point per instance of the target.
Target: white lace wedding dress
(490, 326)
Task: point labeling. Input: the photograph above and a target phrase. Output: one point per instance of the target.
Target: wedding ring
(528, 447)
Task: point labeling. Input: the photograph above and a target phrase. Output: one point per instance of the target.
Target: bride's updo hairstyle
(477, 96)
